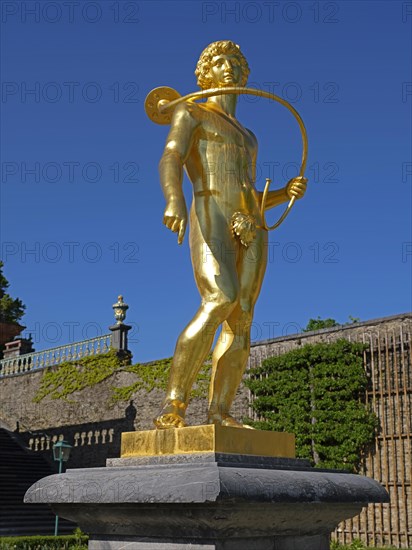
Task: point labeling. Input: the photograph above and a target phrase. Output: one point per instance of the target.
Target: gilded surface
(208, 438)
(227, 237)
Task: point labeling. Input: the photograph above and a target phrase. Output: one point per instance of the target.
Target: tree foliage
(317, 392)
(319, 324)
(11, 309)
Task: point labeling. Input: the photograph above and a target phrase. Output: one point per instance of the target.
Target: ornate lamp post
(61, 453)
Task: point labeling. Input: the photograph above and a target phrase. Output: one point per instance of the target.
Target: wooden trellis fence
(389, 368)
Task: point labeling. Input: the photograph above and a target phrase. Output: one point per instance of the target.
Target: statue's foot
(165, 421)
(172, 415)
(227, 420)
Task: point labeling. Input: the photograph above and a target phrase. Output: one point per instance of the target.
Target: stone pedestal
(209, 438)
(207, 500)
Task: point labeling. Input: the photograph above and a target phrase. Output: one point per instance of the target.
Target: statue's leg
(232, 351)
(217, 280)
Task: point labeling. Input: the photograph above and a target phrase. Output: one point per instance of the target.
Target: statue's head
(204, 65)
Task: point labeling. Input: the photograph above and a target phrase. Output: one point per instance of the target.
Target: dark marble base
(261, 543)
(216, 501)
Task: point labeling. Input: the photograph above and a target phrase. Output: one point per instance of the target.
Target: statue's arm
(178, 144)
(295, 187)
(275, 197)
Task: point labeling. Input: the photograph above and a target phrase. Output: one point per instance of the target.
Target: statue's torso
(219, 163)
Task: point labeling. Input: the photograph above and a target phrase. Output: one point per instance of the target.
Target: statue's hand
(296, 187)
(175, 218)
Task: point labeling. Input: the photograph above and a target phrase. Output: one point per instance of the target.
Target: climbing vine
(317, 392)
(70, 377)
(151, 376)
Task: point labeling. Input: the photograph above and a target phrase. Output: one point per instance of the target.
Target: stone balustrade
(54, 356)
(41, 443)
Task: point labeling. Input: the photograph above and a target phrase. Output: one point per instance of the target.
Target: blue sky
(81, 205)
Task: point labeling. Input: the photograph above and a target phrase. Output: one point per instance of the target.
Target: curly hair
(226, 47)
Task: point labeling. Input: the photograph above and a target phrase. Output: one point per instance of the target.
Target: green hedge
(64, 542)
(79, 542)
(318, 393)
(358, 545)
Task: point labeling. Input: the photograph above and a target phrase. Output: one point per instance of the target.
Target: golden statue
(228, 233)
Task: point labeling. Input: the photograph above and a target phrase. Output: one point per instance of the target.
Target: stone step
(20, 468)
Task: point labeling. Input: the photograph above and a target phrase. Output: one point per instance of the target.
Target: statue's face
(225, 70)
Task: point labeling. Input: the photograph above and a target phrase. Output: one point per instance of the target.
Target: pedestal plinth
(209, 438)
(207, 500)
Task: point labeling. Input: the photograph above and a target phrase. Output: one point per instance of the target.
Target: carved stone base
(207, 501)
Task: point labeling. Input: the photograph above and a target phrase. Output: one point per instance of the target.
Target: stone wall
(90, 412)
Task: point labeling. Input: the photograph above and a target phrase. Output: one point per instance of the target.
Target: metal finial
(120, 309)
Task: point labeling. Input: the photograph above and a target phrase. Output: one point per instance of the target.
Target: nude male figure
(228, 246)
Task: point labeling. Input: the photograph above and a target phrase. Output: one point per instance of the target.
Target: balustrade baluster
(55, 356)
